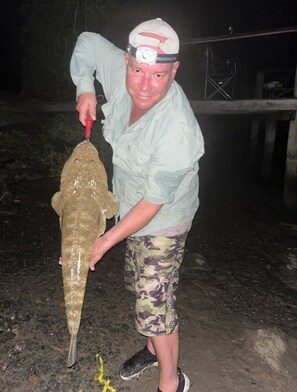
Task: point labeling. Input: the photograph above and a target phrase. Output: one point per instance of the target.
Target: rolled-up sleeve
(82, 65)
(94, 56)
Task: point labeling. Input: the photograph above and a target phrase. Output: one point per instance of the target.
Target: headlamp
(146, 55)
(150, 56)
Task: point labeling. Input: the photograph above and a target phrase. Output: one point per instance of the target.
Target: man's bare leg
(166, 347)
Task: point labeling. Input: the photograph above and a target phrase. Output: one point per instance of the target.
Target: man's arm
(137, 218)
(82, 68)
(93, 54)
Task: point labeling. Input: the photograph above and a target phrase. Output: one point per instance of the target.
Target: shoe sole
(187, 383)
(136, 375)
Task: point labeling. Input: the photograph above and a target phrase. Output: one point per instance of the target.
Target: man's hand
(86, 105)
(138, 217)
(100, 247)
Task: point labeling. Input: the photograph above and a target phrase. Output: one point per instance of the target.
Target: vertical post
(268, 152)
(206, 70)
(254, 135)
(290, 186)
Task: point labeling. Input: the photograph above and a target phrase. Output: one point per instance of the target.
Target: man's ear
(174, 70)
(126, 57)
(176, 65)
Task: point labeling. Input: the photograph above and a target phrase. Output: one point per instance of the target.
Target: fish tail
(72, 351)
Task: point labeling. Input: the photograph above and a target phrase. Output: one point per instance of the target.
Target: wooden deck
(244, 106)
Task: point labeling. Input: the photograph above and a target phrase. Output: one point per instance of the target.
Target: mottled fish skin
(83, 204)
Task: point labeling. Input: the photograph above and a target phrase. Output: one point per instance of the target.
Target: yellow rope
(99, 376)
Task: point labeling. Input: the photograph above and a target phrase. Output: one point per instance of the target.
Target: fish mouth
(85, 144)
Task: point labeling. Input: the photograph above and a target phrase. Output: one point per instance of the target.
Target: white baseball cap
(141, 45)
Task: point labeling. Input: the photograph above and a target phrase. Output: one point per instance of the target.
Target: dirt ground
(237, 295)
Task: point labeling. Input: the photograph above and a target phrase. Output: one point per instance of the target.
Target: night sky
(204, 18)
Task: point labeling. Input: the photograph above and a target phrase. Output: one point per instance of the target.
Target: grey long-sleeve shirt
(157, 157)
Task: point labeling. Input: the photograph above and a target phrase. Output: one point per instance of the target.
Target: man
(156, 145)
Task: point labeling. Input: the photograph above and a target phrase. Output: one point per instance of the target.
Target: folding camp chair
(219, 78)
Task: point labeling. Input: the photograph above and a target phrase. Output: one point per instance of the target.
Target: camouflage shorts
(152, 273)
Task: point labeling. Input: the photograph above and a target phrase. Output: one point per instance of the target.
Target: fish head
(85, 153)
(84, 169)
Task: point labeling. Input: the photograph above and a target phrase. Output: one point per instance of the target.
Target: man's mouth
(143, 96)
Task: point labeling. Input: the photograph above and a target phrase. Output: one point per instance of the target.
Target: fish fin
(72, 351)
(57, 202)
(110, 205)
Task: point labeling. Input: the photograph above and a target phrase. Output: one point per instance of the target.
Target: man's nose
(145, 82)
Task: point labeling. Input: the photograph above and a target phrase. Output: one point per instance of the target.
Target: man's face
(148, 84)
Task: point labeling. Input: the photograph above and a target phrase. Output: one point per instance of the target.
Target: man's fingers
(84, 113)
(92, 112)
(82, 118)
(92, 264)
(93, 261)
(95, 257)
(86, 106)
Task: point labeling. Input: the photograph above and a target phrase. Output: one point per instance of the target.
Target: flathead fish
(83, 204)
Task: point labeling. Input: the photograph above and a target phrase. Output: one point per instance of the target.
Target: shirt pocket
(138, 159)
